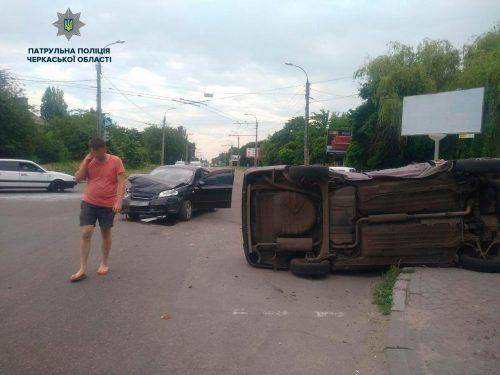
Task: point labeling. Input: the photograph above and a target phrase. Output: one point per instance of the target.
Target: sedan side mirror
(201, 183)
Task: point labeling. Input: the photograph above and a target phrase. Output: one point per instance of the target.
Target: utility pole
(255, 159)
(306, 125)
(98, 68)
(238, 137)
(306, 122)
(228, 154)
(327, 130)
(187, 146)
(98, 98)
(163, 140)
(163, 136)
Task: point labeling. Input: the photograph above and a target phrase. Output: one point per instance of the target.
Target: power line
(127, 98)
(339, 97)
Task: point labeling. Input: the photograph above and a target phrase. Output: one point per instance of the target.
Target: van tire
(491, 265)
(300, 267)
(477, 165)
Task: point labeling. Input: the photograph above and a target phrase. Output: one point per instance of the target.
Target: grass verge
(382, 293)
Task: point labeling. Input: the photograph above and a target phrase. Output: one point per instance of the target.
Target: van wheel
(300, 267)
(477, 165)
(186, 211)
(56, 185)
(490, 264)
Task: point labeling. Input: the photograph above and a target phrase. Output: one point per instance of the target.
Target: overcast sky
(181, 49)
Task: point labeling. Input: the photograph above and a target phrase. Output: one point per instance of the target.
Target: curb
(397, 348)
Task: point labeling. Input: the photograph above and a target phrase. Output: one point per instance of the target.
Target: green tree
(17, 123)
(53, 104)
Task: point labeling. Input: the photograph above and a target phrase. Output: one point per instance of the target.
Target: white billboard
(451, 112)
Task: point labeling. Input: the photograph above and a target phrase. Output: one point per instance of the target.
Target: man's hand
(81, 174)
(117, 208)
(88, 158)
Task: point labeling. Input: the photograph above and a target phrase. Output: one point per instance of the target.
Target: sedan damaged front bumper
(151, 208)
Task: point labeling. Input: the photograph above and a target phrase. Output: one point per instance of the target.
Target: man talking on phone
(102, 199)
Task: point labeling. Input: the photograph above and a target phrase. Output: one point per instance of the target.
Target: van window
(9, 166)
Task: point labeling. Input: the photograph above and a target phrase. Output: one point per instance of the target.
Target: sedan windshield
(173, 175)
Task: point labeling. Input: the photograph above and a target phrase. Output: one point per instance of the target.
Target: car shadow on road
(362, 272)
(168, 221)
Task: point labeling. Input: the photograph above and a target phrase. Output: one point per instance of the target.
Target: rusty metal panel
(342, 204)
(301, 244)
(278, 213)
(435, 194)
(403, 240)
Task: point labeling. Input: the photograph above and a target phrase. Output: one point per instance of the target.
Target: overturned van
(314, 220)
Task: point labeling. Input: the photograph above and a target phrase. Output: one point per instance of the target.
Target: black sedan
(177, 190)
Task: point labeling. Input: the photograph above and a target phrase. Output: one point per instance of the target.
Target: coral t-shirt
(102, 181)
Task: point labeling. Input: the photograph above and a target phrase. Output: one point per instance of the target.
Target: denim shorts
(90, 213)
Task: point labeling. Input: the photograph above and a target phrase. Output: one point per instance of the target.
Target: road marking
(40, 196)
(283, 313)
(324, 314)
(239, 312)
(275, 313)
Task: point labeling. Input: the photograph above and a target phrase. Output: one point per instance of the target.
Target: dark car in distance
(177, 190)
(312, 219)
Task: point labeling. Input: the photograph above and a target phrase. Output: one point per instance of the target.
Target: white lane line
(239, 312)
(283, 313)
(325, 314)
(276, 313)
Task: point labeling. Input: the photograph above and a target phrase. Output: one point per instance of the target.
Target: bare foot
(103, 270)
(80, 275)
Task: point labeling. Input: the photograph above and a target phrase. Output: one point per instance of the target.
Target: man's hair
(96, 143)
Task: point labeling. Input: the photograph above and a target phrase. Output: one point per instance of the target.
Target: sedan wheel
(56, 186)
(186, 211)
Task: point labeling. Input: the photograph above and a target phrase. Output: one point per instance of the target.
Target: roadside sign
(250, 152)
(436, 115)
(466, 135)
(338, 142)
(452, 112)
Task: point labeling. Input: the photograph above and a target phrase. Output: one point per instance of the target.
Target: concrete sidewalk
(452, 322)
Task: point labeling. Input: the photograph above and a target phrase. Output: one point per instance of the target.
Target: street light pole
(163, 140)
(98, 98)
(163, 136)
(238, 136)
(98, 68)
(255, 159)
(306, 124)
(187, 146)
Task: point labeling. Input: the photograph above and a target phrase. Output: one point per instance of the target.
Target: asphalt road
(179, 299)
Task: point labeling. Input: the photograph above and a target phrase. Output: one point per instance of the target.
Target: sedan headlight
(168, 193)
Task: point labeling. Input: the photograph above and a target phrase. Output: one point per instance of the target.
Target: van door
(32, 176)
(215, 190)
(9, 174)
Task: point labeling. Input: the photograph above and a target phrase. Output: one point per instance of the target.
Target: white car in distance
(25, 174)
